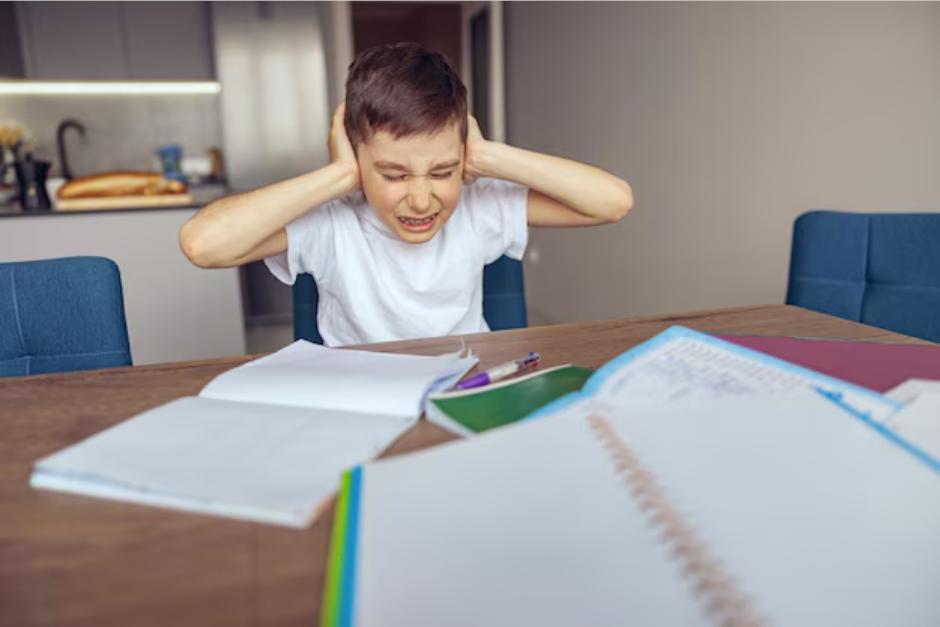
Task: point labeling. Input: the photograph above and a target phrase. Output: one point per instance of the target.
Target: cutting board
(124, 202)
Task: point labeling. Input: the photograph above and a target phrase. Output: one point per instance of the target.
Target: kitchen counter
(202, 196)
(174, 310)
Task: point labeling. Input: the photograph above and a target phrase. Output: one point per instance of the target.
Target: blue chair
(58, 315)
(881, 269)
(503, 300)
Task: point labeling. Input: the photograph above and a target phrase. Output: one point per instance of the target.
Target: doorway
(469, 34)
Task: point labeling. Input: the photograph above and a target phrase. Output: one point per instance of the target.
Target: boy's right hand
(341, 150)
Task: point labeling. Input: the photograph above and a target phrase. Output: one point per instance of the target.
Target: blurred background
(728, 119)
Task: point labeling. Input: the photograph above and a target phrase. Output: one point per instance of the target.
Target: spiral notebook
(737, 511)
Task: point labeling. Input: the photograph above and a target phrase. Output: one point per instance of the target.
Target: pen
(497, 373)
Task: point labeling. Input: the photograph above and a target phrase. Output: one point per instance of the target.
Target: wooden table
(69, 560)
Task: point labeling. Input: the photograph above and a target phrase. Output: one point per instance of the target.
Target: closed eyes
(439, 176)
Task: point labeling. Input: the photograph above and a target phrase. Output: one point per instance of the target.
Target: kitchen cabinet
(168, 40)
(11, 52)
(116, 40)
(71, 40)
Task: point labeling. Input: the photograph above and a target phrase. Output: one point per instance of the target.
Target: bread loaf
(120, 184)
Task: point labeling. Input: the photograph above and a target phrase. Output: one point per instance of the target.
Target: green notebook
(466, 412)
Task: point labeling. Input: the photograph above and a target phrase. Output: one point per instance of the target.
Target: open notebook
(736, 511)
(681, 364)
(675, 365)
(266, 441)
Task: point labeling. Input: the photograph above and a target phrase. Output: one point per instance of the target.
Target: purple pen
(499, 372)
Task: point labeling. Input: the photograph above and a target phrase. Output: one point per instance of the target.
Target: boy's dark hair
(402, 89)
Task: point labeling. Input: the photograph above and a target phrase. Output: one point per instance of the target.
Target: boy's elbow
(624, 203)
(194, 247)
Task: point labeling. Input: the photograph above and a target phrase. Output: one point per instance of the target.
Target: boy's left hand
(474, 148)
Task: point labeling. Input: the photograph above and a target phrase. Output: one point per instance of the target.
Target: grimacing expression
(413, 183)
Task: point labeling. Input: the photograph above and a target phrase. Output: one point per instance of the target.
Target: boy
(397, 227)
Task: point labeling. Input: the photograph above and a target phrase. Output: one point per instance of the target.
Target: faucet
(64, 125)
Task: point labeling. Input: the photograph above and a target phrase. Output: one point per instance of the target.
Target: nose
(419, 195)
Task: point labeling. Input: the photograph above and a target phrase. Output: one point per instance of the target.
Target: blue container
(170, 157)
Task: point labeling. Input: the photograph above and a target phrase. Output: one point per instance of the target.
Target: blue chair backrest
(881, 269)
(58, 315)
(503, 300)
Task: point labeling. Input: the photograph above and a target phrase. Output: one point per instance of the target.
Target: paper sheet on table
(912, 388)
(919, 422)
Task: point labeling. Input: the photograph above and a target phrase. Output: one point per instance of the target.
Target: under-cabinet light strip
(31, 87)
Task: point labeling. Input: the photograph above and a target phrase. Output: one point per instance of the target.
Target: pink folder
(876, 366)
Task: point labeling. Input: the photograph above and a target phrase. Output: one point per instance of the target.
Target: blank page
(912, 388)
(308, 375)
(919, 421)
(258, 462)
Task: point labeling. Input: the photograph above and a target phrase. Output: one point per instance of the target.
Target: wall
(729, 120)
(122, 132)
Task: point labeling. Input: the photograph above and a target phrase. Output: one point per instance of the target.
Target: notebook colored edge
(339, 590)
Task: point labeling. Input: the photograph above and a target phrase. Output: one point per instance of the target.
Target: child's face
(413, 183)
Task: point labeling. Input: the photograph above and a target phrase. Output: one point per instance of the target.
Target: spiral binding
(725, 604)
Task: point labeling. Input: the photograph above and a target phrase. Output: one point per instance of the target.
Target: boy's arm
(561, 192)
(251, 226)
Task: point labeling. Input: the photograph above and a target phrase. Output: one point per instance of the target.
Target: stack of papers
(689, 481)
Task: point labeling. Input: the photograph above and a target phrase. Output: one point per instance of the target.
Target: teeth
(417, 221)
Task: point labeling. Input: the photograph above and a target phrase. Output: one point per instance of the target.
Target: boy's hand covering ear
(475, 145)
(341, 150)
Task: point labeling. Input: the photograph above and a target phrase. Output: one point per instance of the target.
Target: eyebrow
(388, 165)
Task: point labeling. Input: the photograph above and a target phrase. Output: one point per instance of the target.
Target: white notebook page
(308, 375)
(258, 462)
(822, 518)
(527, 527)
(817, 518)
(684, 365)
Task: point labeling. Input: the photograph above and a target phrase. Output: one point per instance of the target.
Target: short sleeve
(498, 213)
(310, 243)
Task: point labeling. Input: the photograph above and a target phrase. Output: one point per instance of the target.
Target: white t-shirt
(373, 287)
